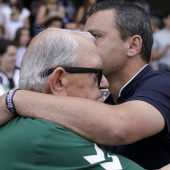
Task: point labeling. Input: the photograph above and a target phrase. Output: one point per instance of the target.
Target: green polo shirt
(37, 144)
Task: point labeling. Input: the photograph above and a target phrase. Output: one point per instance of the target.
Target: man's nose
(104, 84)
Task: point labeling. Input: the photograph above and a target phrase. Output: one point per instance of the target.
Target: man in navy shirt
(139, 124)
(151, 87)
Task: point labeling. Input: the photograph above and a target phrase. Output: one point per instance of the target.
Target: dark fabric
(152, 87)
(163, 67)
(11, 83)
(0, 80)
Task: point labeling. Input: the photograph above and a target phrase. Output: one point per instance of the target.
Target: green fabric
(36, 144)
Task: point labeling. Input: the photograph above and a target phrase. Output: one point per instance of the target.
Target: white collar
(131, 80)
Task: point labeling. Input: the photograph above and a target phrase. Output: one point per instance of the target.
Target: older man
(61, 63)
(139, 124)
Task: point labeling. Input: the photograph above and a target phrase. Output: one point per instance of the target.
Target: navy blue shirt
(152, 87)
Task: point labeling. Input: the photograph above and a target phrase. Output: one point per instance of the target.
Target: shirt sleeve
(156, 92)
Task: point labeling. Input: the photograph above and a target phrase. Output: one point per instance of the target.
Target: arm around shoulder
(112, 125)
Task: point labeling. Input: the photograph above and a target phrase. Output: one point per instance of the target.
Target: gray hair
(51, 48)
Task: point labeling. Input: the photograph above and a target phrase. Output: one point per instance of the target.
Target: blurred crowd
(18, 24)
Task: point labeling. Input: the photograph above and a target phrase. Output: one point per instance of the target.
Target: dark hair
(52, 19)
(4, 44)
(130, 20)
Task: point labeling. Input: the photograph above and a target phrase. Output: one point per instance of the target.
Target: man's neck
(117, 81)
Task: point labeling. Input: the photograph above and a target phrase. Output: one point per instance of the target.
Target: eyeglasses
(98, 71)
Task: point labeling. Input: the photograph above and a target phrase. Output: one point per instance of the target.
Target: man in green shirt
(65, 63)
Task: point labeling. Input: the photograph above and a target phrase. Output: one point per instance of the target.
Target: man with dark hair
(9, 73)
(139, 122)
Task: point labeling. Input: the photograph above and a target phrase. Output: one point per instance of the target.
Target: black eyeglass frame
(74, 70)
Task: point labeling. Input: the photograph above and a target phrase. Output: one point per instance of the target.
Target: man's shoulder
(37, 126)
(58, 149)
(156, 78)
(25, 127)
(35, 131)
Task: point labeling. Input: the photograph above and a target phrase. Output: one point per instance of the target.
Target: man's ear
(58, 81)
(135, 45)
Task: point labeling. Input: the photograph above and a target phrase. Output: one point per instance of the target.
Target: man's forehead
(92, 27)
(98, 20)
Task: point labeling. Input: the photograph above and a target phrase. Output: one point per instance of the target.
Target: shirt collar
(131, 80)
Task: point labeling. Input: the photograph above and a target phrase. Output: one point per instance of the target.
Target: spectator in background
(22, 40)
(156, 24)
(13, 24)
(47, 10)
(13, 5)
(55, 22)
(70, 8)
(2, 5)
(34, 6)
(82, 13)
(9, 74)
(70, 25)
(161, 45)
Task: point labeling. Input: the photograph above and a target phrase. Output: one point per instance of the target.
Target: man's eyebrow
(92, 31)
